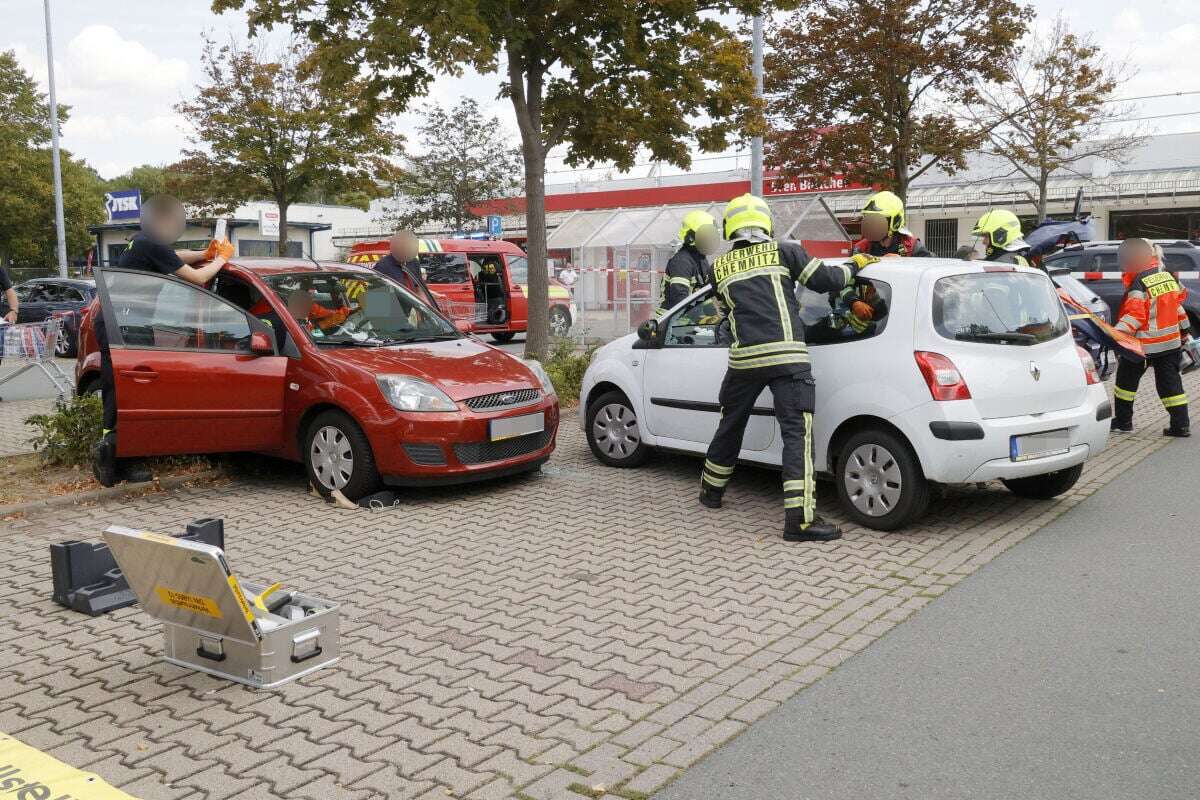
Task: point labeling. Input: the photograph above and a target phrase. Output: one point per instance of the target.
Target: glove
(862, 260)
(225, 249)
(861, 310)
(210, 252)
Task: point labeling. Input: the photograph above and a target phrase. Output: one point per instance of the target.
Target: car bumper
(977, 449)
(413, 449)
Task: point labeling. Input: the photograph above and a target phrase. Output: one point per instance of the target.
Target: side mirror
(648, 330)
(261, 345)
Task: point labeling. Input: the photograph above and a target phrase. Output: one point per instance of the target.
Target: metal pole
(59, 222)
(756, 144)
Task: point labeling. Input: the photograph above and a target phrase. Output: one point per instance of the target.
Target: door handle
(139, 374)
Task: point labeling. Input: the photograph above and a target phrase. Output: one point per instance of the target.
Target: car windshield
(355, 308)
(999, 307)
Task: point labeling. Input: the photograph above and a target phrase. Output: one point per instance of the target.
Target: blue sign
(123, 205)
(495, 225)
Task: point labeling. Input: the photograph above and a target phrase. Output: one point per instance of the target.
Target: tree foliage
(602, 80)
(1052, 108)
(860, 88)
(267, 127)
(27, 229)
(465, 160)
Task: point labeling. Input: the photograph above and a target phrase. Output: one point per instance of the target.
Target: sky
(122, 66)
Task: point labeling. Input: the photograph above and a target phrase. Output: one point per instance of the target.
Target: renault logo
(1035, 371)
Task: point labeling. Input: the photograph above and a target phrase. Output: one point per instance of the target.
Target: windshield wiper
(996, 336)
(348, 341)
(439, 337)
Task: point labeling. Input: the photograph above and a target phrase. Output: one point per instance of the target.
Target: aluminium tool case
(262, 636)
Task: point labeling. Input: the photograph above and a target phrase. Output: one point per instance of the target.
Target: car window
(40, 293)
(1105, 262)
(518, 270)
(70, 294)
(1069, 261)
(24, 292)
(445, 268)
(697, 324)
(153, 311)
(998, 307)
(831, 318)
(1179, 262)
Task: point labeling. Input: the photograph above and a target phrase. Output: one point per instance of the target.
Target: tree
(269, 128)
(464, 162)
(604, 80)
(27, 229)
(151, 179)
(1051, 110)
(859, 88)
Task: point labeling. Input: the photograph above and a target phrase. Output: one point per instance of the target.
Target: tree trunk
(538, 335)
(1043, 180)
(283, 228)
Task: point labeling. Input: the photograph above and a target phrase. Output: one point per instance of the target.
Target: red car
(329, 364)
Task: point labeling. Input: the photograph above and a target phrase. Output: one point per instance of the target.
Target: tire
(560, 321)
(337, 455)
(503, 338)
(613, 432)
(879, 480)
(67, 345)
(91, 385)
(1044, 487)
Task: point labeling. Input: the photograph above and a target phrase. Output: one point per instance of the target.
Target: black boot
(709, 496)
(1121, 427)
(104, 460)
(134, 472)
(794, 529)
(1180, 433)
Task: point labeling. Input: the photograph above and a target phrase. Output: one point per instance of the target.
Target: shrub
(65, 436)
(566, 366)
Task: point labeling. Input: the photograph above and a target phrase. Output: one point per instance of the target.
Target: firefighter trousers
(795, 396)
(1167, 381)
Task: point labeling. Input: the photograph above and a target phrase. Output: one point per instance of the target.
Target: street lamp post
(59, 222)
(756, 143)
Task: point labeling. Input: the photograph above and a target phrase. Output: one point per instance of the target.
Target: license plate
(1040, 445)
(512, 427)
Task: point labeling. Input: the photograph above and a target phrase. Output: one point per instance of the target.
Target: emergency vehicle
(481, 284)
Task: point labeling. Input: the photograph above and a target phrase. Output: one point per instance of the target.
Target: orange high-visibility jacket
(1153, 310)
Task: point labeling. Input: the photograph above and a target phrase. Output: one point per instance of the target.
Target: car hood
(461, 368)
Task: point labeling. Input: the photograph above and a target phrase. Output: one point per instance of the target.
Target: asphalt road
(1067, 668)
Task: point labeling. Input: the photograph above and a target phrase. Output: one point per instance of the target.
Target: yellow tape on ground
(27, 773)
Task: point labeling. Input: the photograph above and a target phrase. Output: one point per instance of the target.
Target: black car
(66, 298)
(1180, 256)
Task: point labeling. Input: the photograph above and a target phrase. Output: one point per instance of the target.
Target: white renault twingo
(968, 373)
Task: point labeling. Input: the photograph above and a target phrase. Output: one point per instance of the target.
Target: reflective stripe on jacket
(687, 271)
(1153, 311)
(757, 284)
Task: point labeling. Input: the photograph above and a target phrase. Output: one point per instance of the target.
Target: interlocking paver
(488, 650)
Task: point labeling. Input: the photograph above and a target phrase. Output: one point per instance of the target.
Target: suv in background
(1095, 265)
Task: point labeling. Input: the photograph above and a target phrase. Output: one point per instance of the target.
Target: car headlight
(540, 373)
(407, 393)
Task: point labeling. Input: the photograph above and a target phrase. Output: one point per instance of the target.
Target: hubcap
(331, 457)
(61, 345)
(873, 480)
(615, 430)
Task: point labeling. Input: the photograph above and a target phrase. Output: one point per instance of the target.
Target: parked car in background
(968, 373)
(481, 284)
(326, 364)
(1094, 265)
(65, 298)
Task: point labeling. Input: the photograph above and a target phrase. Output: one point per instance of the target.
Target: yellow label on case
(241, 599)
(196, 603)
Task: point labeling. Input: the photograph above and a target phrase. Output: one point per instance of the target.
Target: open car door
(193, 373)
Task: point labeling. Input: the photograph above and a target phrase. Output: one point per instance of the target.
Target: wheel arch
(853, 425)
(311, 413)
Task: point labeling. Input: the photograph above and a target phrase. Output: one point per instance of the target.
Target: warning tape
(1116, 276)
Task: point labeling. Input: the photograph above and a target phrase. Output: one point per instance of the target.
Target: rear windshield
(998, 307)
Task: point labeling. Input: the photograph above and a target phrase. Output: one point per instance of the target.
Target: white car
(968, 373)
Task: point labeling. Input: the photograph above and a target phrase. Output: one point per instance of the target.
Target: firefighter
(688, 269)
(883, 229)
(756, 282)
(1153, 312)
(1002, 242)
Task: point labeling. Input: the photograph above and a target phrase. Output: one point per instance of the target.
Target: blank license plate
(1040, 445)
(512, 427)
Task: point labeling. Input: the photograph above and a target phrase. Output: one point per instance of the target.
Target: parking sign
(495, 225)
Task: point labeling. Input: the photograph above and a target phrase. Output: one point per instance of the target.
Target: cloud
(99, 58)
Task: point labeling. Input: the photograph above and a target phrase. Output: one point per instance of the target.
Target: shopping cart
(34, 343)
(466, 313)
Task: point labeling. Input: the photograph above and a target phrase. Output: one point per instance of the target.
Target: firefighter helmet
(1002, 228)
(693, 222)
(889, 206)
(747, 211)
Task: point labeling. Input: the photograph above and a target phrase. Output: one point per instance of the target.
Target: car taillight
(942, 377)
(1089, 366)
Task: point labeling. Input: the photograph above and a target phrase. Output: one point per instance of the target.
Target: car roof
(913, 269)
(448, 246)
(87, 282)
(1113, 244)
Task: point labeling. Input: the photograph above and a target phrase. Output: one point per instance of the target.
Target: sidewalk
(29, 394)
(1064, 669)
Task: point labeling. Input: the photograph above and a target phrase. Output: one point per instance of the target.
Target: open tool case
(262, 636)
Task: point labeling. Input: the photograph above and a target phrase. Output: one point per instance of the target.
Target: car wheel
(879, 480)
(1044, 487)
(338, 456)
(560, 321)
(613, 432)
(503, 338)
(67, 344)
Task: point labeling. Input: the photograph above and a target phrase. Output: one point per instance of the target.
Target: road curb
(124, 490)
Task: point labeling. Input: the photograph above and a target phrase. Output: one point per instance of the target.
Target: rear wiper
(996, 336)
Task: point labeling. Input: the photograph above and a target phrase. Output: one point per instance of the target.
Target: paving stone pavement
(14, 433)
(532, 638)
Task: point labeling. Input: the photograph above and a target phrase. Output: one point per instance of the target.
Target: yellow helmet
(747, 211)
(1002, 228)
(693, 221)
(888, 205)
